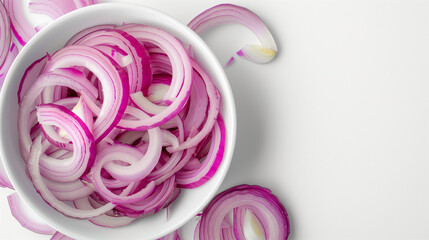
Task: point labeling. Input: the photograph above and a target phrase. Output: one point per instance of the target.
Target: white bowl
(52, 38)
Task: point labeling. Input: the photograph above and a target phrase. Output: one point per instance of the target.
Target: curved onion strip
(71, 169)
(78, 36)
(229, 13)
(140, 169)
(270, 213)
(4, 180)
(45, 193)
(30, 75)
(110, 154)
(60, 236)
(5, 34)
(139, 72)
(153, 203)
(13, 52)
(112, 78)
(103, 220)
(181, 69)
(195, 178)
(59, 77)
(68, 191)
(26, 217)
(54, 8)
(20, 26)
(197, 104)
(213, 111)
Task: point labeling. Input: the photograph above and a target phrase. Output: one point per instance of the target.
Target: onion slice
(26, 217)
(34, 172)
(60, 236)
(113, 79)
(54, 8)
(270, 215)
(20, 26)
(13, 52)
(4, 180)
(229, 13)
(71, 169)
(5, 34)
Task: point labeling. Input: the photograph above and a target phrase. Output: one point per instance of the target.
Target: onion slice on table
(13, 52)
(20, 26)
(267, 214)
(55, 9)
(229, 13)
(26, 217)
(5, 34)
(60, 236)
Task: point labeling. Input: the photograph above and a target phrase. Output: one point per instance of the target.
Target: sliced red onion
(13, 52)
(20, 26)
(229, 13)
(119, 152)
(60, 77)
(81, 95)
(140, 169)
(113, 79)
(60, 236)
(178, 93)
(55, 9)
(269, 214)
(30, 75)
(103, 220)
(69, 169)
(34, 171)
(229, 62)
(212, 112)
(26, 217)
(82, 110)
(195, 178)
(78, 36)
(181, 75)
(69, 191)
(153, 203)
(5, 34)
(4, 180)
(139, 71)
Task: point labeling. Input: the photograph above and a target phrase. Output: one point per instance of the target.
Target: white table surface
(338, 125)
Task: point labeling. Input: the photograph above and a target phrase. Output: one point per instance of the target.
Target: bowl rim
(217, 68)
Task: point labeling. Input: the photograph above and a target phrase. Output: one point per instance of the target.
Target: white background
(337, 125)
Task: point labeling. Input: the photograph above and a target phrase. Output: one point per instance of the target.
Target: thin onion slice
(26, 217)
(112, 77)
(5, 34)
(55, 9)
(20, 26)
(60, 236)
(229, 13)
(270, 215)
(34, 172)
(13, 52)
(71, 169)
(197, 177)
